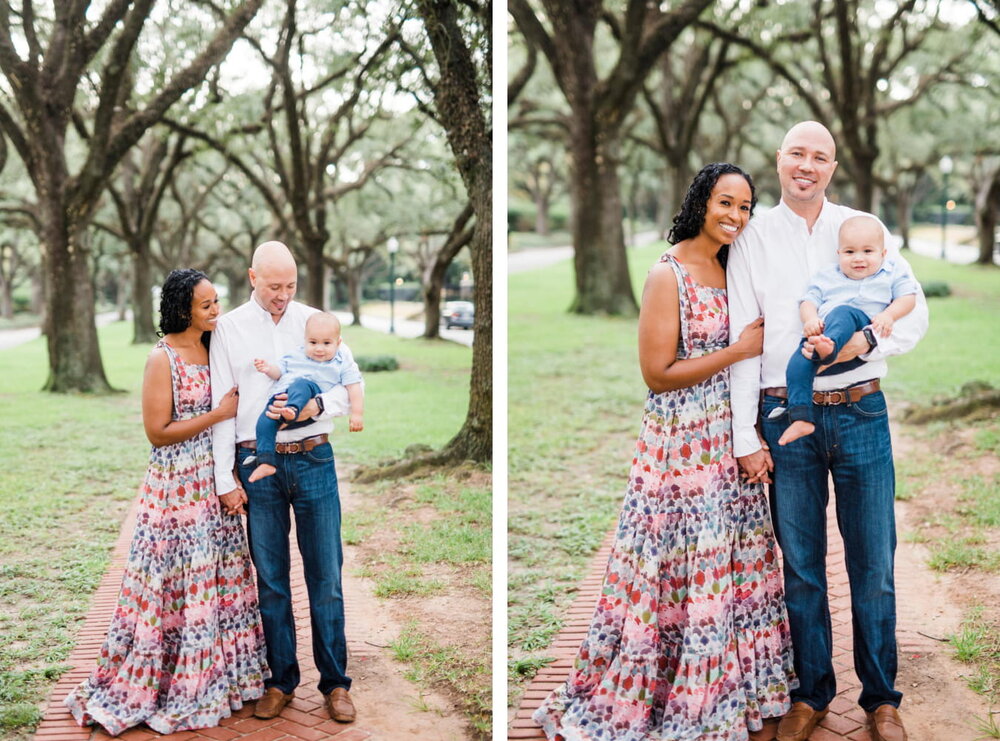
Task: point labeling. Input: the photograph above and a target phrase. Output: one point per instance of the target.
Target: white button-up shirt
(241, 335)
(770, 266)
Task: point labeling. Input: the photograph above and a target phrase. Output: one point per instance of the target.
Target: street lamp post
(393, 246)
(947, 165)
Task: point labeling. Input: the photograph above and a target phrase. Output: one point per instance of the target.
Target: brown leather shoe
(339, 706)
(800, 722)
(271, 704)
(885, 724)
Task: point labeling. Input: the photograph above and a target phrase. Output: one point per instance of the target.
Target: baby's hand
(261, 365)
(812, 327)
(882, 324)
(357, 423)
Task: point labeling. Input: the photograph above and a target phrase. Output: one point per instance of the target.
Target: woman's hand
(751, 341)
(228, 404)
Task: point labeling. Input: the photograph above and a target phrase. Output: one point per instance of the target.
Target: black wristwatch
(319, 403)
(870, 336)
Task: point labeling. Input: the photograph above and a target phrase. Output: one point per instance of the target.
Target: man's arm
(336, 401)
(745, 375)
(223, 433)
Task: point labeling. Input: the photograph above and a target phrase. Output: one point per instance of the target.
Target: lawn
(575, 403)
(71, 464)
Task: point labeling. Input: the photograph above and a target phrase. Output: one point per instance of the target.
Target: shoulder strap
(684, 301)
(174, 371)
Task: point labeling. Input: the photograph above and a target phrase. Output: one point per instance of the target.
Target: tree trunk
(143, 328)
(541, 213)
(315, 276)
(433, 284)
(602, 278)
(904, 208)
(680, 180)
(74, 353)
(6, 300)
(987, 205)
(354, 295)
(475, 440)
(122, 284)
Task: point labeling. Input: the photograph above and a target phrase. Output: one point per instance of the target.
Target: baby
(313, 369)
(865, 289)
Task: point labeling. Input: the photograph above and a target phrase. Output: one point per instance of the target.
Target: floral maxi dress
(689, 640)
(185, 646)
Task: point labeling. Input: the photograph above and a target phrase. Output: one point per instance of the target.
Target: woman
(185, 646)
(689, 640)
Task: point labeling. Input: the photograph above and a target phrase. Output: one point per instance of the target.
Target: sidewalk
(846, 720)
(305, 718)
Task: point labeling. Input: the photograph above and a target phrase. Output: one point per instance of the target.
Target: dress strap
(174, 359)
(683, 350)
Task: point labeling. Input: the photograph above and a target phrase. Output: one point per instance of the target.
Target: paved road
(15, 337)
(406, 328)
(539, 257)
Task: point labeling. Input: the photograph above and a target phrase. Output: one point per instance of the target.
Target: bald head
(812, 132)
(274, 278)
(271, 254)
(323, 321)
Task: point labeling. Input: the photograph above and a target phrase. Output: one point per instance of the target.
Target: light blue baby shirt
(340, 370)
(830, 288)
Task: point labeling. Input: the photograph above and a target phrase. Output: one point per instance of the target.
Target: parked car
(458, 314)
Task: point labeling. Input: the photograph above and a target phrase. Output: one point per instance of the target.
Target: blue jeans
(839, 325)
(300, 392)
(306, 483)
(851, 442)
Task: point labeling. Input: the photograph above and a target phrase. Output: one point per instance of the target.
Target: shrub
(935, 288)
(376, 363)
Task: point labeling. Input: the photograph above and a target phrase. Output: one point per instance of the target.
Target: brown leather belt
(299, 446)
(830, 398)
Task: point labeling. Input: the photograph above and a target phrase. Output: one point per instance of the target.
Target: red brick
(300, 731)
(264, 734)
(220, 733)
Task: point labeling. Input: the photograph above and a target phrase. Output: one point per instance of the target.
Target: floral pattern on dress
(689, 640)
(185, 647)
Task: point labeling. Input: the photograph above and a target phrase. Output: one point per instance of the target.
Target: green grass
(71, 464)
(955, 349)
(575, 402)
(978, 643)
(433, 664)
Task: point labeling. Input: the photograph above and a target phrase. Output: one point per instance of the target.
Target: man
(768, 272)
(267, 326)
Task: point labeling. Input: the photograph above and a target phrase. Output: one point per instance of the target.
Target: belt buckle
(837, 397)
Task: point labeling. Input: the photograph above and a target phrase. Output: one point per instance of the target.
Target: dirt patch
(932, 603)
(392, 705)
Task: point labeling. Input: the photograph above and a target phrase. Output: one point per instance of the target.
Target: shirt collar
(263, 314)
(793, 218)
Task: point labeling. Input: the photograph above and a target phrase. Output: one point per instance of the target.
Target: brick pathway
(305, 718)
(845, 721)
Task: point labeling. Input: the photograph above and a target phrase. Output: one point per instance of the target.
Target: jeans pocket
(872, 405)
(320, 454)
(773, 410)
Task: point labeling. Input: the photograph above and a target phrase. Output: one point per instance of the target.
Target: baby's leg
(799, 376)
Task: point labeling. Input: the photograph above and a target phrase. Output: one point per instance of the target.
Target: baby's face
(321, 342)
(861, 253)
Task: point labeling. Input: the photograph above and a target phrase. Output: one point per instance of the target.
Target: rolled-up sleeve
(744, 375)
(336, 402)
(909, 330)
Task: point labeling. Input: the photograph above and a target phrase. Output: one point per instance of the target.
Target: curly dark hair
(176, 297)
(690, 219)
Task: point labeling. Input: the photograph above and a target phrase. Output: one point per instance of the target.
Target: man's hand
(233, 501)
(757, 466)
(854, 347)
(308, 411)
(357, 423)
